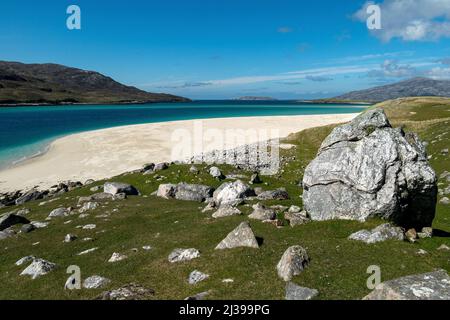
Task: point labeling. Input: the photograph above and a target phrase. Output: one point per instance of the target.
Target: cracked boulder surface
(367, 168)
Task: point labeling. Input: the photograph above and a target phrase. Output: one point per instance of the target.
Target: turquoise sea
(27, 131)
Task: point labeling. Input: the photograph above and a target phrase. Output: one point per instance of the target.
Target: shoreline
(105, 153)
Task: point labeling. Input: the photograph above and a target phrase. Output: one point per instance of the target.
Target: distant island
(41, 84)
(415, 87)
(252, 98)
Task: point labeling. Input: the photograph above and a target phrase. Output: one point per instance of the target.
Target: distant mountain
(416, 87)
(56, 84)
(252, 98)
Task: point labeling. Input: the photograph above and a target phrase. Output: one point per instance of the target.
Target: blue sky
(212, 49)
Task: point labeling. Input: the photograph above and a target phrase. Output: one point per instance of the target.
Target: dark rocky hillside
(55, 84)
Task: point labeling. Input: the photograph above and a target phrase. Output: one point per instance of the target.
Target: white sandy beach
(109, 152)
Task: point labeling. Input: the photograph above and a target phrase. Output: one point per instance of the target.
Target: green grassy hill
(337, 268)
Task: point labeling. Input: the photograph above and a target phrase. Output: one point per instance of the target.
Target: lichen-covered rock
(179, 255)
(295, 292)
(197, 276)
(37, 268)
(242, 236)
(130, 291)
(95, 282)
(292, 263)
(231, 191)
(260, 212)
(226, 211)
(278, 194)
(428, 286)
(118, 187)
(381, 233)
(366, 168)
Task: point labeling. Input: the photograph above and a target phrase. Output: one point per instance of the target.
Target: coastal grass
(338, 267)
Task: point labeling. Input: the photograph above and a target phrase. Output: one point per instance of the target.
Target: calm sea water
(27, 131)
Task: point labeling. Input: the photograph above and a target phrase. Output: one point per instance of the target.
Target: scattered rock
(367, 168)
(197, 276)
(70, 237)
(381, 233)
(216, 173)
(411, 235)
(95, 282)
(117, 187)
(292, 263)
(86, 251)
(166, 191)
(279, 194)
(117, 257)
(242, 236)
(30, 196)
(9, 219)
(39, 224)
(297, 218)
(295, 292)
(6, 234)
(444, 247)
(229, 192)
(25, 260)
(294, 209)
(95, 189)
(87, 206)
(198, 296)
(161, 166)
(194, 170)
(89, 227)
(37, 268)
(255, 179)
(226, 211)
(444, 200)
(422, 252)
(147, 248)
(179, 255)
(27, 228)
(428, 286)
(59, 212)
(184, 191)
(260, 212)
(444, 151)
(427, 232)
(130, 291)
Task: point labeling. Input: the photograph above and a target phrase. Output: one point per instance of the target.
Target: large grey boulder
(428, 286)
(9, 219)
(242, 236)
(366, 168)
(118, 187)
(292, 263)
(229, 192)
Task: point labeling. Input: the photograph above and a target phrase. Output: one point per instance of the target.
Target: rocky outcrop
(242, 236)
(366, 168)
(428, 286)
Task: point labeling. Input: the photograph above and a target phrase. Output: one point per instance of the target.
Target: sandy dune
(106, 153)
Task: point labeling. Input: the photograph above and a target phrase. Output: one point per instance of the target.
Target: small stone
(381, 233)
(115, 188)
(255, 179)
(194, 170)
(260, 212)
(226, 211)
(427, 232)
(59, 212)
(86, 251)
(95, 282)
(422, 252)
(87, 206)
(198, 296)
(294, 209)
(292, 263)
(89, 227)
(147, 248)
(444, 200)
(444, 247)
(179, 255)
(411, 235)
(130, 291)
(27, 228)
(39, 225)
(295, 292)
(117, 257)
(228, 280)
(215, 173)
(70, 237)
(197, 276)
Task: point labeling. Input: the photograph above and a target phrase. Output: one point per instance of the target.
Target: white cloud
(411, 20)
(392, 69)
